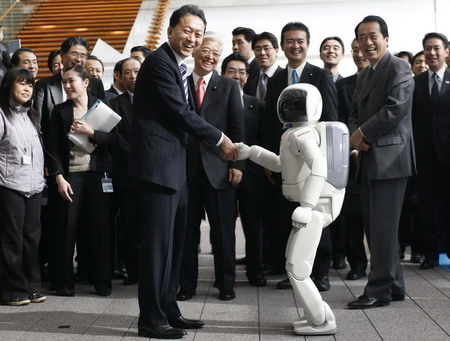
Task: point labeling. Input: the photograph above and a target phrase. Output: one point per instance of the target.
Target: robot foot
(303, 327)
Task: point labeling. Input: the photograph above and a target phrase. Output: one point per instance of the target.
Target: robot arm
(259, 155)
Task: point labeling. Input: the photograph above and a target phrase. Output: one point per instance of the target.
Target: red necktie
(200, 91)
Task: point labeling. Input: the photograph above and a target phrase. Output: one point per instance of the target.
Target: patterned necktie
(262, 86)
(200, 91)
(295, 79)
(183, 69)
(434, 96)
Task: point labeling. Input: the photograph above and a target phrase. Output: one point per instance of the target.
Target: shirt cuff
(220, 141)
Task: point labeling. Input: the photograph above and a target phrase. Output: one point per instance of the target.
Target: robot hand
(301, 216)
(243, 150)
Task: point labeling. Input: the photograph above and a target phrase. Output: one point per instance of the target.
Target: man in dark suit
(125, 189)
(295, 40)
(431, 124)
(350, 218)
(381, 133)
(164, 116)
(117, 88)
(265, 46)
(210, 179)
(250, 194)
(331, 53)
(242, 44)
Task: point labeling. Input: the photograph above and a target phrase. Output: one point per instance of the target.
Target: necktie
(262, 86)
(434, 96)
(183, 69)
(370, 73)
(295, 79)
(200, 91)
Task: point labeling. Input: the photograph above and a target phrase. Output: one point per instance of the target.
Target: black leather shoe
(397, 298)
(130, 280)
(353, 275)
(284, 284)
(257, 280)
(322, 283)
(185, 295)
(366, 302)
(65, 292)
(339, 263)
(103, 292)
(227, 295)
(416, 257)
(241, 261)
(161, 332)
(184, 323)
(429, 263)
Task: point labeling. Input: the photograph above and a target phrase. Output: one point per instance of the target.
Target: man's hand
(234, 176)
(358, 142)
(228, 150)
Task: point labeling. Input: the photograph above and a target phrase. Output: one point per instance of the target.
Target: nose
(235, 47)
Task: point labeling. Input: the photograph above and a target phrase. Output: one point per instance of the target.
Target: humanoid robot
(313, 162)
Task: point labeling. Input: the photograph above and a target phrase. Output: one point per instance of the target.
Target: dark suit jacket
(251, 86)
(381, 108)
(162, 123)
(431, 125)
(345, 88)
(253, 69)
(49, 92)
(254, 175)
(222, 108)
(59, 143)
(320, 78)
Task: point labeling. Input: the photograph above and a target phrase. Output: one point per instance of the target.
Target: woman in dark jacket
(85, 206)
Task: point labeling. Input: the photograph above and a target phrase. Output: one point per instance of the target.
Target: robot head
(299, 103)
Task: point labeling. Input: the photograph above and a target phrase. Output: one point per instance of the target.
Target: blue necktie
(183, 69)
(295, 79)
(434, 96)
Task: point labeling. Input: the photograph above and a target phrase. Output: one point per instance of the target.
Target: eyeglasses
(74, 54)
(206, 52)
(266, 49)
(232, 71)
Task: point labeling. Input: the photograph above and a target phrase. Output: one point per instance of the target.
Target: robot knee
(300, 271)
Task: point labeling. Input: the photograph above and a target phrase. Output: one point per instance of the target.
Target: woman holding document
(84, 185)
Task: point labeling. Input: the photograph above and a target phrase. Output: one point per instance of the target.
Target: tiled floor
(257, 314)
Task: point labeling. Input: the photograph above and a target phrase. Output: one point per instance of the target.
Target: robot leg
(300, 254)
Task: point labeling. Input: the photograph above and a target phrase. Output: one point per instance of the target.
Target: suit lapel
(307, 74)
(56, 89)
(369, 84)
(209, 94)
(445, 89)
(194, 94)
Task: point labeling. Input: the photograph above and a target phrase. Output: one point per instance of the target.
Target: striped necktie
(183, 69)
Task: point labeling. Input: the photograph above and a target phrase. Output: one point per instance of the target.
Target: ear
(169, 32)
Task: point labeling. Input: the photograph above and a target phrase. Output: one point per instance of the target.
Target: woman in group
(21, 184)
(84, 206)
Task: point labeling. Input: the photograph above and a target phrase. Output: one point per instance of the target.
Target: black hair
(7, 103)
(248, 33)
(295, 26)
(92, 57)
(186, 10)
(265, 35)
(374, 18)
(145, 50)
(15, 58)
(339, 40)
(418, 54)
(406, 54)
(435, 35)
(81, 71)
(122, 62)
(234, 56)
(51, 57)
(69, 42)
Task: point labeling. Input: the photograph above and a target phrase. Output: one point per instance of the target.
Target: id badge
(107, 185)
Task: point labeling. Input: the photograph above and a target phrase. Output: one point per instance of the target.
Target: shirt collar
(206, 78)
(270, 71)
(180, 60)
(439, 72)
(299, 69)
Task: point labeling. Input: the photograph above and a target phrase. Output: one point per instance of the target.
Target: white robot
(313, 162)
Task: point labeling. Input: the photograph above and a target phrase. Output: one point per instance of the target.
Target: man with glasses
(295, 39)
(211, 180)
(265, 47)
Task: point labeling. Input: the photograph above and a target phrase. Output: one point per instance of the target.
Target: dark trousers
(20, 231)
(220, 207)
(89, 216)
(381, 203)
(163, 228)
(251, 209)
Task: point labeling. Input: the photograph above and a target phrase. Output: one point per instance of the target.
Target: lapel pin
(251, 106)
(215, 88)
(447, 82)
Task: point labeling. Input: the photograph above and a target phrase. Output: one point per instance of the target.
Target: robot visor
(292, 106)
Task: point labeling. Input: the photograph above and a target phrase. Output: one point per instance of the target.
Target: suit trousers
(88, 215)
(220, 207)
(163, 231)
(20, 231)
(381, 204)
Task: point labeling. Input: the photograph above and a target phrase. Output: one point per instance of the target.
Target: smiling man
(163, 120)
(381, 133)
(331, 53)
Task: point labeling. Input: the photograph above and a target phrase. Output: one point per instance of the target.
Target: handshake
(234, 151)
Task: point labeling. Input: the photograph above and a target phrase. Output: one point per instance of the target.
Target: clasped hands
(358, 141)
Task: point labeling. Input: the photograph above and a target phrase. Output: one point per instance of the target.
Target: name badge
(107, 185)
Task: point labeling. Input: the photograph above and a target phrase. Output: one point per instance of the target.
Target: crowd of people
(172, 163)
